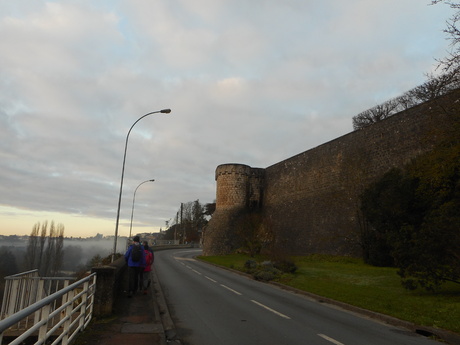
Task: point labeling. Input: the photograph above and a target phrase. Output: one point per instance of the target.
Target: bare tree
(45, 268)
(42, 241)
(45, 253)
(59, 249)
(452, 60)
(192, 219)
(375, 114)
(32, 246)
(434, 87)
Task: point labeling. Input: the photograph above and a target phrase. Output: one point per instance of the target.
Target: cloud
(247, 82)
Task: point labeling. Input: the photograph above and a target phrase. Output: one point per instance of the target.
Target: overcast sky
(251, 82)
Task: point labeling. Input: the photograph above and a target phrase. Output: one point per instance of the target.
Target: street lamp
(132, 210)
(164, 111)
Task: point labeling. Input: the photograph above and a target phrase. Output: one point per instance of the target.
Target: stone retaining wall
(311, 201)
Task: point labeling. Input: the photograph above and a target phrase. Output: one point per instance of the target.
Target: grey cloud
(248, 82)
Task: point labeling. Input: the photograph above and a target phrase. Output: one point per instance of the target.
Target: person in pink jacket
(149, 258)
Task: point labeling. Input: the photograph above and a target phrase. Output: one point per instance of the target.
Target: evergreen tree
(415, 216)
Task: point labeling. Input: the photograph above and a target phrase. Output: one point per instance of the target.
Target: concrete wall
(311, 201)
(108, 283)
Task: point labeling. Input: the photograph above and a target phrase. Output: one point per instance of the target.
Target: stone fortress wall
(311, 201)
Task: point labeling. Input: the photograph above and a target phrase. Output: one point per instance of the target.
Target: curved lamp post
(132, 210)
(164, 111)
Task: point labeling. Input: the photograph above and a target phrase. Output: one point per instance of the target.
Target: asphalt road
(210, 305)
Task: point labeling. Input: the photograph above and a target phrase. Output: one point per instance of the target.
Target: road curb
(169, 328)
(441, 334)
(444, 335)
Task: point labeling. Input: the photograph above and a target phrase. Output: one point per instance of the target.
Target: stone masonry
(311, 201)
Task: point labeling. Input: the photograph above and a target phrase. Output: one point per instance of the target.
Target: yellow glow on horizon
(15, 221)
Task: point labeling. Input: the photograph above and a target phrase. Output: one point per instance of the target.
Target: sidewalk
(141, 320)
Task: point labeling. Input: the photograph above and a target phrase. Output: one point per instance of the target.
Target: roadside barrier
(60, 315)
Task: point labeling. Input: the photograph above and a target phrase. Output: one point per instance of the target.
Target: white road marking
(270, 309)
(178, 258)
(330, 339)
(214, 281)
(196, 271)
(190, 251)
(230, 289)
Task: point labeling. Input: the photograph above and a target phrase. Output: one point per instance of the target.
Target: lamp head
(165, 111)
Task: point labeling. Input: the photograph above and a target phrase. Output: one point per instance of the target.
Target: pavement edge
(169, 328)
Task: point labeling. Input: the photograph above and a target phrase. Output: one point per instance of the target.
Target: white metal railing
(19, 292)
(61, 314)
(24, 289)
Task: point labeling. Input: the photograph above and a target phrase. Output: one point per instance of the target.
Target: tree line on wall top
(434, 87)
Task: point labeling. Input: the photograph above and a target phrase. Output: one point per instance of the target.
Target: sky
(250, 82)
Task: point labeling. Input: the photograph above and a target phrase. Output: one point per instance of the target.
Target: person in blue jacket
(135, 258)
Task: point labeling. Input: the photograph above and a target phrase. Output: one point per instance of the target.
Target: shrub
(266, 271)
(250, 266)
(264, 276)
(286, 266)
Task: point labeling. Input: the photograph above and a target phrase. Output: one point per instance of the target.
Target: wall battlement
(311, 200)
(238, 186)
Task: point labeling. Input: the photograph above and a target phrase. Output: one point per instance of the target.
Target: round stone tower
(232, 186)
(238, 188)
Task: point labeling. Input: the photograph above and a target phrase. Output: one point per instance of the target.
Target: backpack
(136, 253)
(148, 258)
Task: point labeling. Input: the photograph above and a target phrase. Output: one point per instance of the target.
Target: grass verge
(378, 289)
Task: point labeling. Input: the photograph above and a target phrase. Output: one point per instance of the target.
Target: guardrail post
(90, 303)
(6, 298)
(40, 288)
(13, 297)
(45, 312)
(68, 315)
(83, 304)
